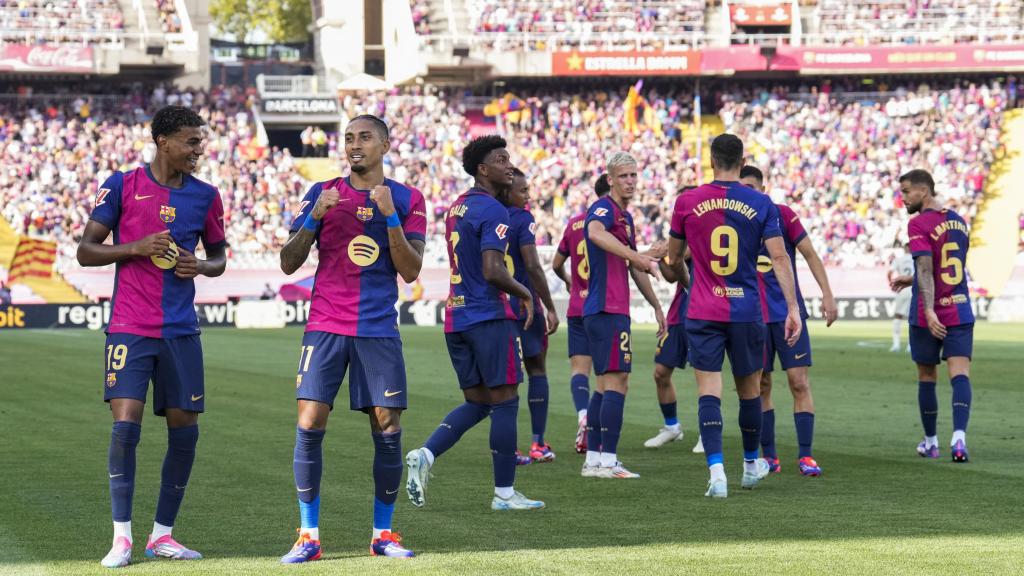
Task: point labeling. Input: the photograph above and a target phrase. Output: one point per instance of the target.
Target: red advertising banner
(683, 63)
(765, 15)
(17, 58)
(730, 59)
(982, 57)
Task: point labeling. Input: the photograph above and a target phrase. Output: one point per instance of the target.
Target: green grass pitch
(878, 509)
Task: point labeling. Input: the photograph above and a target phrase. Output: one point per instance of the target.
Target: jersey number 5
(951, 261)
(725, 244)
(453, 241)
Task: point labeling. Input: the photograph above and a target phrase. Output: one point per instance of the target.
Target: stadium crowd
(60, 21)
(169, 18)
(919, 21)
(833, 159)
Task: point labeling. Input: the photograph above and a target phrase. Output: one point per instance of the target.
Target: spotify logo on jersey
(363, 250)
(764, 264)
(168, 260)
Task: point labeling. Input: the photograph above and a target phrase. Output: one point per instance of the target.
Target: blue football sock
(503, 442)
(750, 426)
(387, 475)
(580, 387)
(181, 453)
(928, 403)
(538, 398)
(804, 432)
(612, 407)
(454, 425)
(668, 412)
(768, 434)
(709, 419)
(594, 422)
(124, 438)
(308, 466)
(961, 402)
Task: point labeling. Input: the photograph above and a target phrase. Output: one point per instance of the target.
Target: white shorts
(903, 302)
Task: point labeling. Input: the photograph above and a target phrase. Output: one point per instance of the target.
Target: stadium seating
(60, 21)
(169, 16)
(919, 21)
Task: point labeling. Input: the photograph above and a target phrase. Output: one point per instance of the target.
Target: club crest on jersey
(501, 231)
(111, 379)
(364, 213)
(101, 196)
(167, 214)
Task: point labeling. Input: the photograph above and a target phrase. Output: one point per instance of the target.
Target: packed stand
(33, 22)
(169, 18)
(864, 22)
(592, 24)
(421, 15)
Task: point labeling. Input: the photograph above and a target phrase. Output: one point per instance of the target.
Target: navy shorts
(578, 345)
(489, 353)
(928, 350)
(710, 341)
(534, 339)
(175, 365)
(377, 377)
(609, 338)
(671, 349)
(775, 344)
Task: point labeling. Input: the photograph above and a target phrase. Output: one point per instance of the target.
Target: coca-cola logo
(58, 58)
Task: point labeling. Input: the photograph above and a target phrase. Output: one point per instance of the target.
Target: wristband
(393, 221)
(311, 224)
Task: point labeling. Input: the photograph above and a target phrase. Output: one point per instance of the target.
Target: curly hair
(170, 119)
(476, 151)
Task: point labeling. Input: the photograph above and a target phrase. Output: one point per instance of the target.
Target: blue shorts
(489, 353)
(609, 338)
(775, 344)
(708, 343)
(927, 349)
(175, 365)
(534, 339)
(578, 345)
(671, 349)
(377, 377)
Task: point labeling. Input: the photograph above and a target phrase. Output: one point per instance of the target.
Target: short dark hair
(727, 151)
(170, 119)
(380, 125)
(686, 189)
(601, 186)
(752, 171)
(474, 154)
(517, 172)
(919, 177)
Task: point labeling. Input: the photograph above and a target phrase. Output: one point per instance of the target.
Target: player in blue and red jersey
(795, 360)
(368, 229)
(611, 252)
(724, 224)
(158, 214)
(480, 326)
(671, 352)
(524, 264)
(573, 247)
(941, 318)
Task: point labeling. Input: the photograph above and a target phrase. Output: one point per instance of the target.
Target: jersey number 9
(725, 244)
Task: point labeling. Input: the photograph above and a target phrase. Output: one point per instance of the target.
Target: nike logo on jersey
(389, 393)
(197, 398)
(137, 197)
(799, 356)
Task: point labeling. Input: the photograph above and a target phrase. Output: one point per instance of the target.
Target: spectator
(306, 137)
(5, 295)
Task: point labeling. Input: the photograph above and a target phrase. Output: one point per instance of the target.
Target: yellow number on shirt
(307, 354)
(950, 261)
(624, 341)
(725, 243)
(509, 263)
(116, 356)
(453, 241)
(583, 270)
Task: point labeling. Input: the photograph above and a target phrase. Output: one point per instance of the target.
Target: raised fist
(328, 199)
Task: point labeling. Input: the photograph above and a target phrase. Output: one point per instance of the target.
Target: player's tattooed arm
(558, 267)
(296, 250)
(540, 283)
(496, 274)
(926, 290)
(783, 268)
(828, 301)
(93, 252)
(643, 282)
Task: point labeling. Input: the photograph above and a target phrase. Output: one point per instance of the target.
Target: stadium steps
(317, 169)
(994, 231)
(8, 244)
(55, 290)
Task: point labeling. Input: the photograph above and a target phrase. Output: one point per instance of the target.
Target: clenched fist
(382, 196)
(158, 244)
(328, 199)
